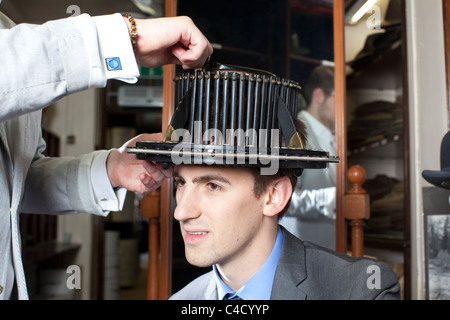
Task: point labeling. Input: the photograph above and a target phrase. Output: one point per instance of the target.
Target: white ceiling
(40, 11)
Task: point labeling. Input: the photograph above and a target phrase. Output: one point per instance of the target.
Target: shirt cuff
(116, 51)
(88, 30)
(108, 198)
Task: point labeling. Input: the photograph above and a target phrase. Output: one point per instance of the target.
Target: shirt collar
(317, 126)
(324, 138)
(259, 286)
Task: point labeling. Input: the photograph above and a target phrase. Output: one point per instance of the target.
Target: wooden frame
(406, 168)
(165, 266)
(340, 88)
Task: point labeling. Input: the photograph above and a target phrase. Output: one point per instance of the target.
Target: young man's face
(222, 222)
(327, 111)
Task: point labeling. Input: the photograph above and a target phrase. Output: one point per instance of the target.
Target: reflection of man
(311, 214)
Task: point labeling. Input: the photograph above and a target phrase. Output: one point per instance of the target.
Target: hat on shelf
(235, 116)
(441, 178)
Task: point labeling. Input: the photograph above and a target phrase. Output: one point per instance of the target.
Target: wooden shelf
(384, 241)
(376, 144)
(42, 251)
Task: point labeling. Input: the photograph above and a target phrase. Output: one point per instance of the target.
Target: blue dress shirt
(259, 286)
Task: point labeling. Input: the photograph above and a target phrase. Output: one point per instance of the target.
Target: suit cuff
(116, 52)
(108, 199)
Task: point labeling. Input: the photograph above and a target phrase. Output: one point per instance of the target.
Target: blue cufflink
(113, 64)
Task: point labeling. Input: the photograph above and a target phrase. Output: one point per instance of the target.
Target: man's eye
(179, 183)
(213, 186)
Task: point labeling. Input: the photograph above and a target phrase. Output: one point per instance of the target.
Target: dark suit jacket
(307, 271)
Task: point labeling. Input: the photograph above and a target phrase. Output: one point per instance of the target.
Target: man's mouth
(197, 233)
(194, 237)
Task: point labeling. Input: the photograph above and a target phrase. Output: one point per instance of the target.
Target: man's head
(228, 215)
(227, 212)
(319, 95)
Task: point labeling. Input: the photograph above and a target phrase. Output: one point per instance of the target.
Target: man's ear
(318, 96)
(277, 196)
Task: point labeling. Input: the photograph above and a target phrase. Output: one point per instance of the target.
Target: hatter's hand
(170, 40)
(124, 170)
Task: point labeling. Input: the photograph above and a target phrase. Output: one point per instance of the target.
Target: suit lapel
(291, 270)
(211, 289)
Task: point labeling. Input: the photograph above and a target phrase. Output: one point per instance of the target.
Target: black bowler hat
(441, 178)
(237, 116)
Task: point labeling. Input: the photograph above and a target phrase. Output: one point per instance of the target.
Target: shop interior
(138, 253)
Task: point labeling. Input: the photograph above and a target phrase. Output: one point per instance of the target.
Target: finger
(168, 173)
(155, 137)
(149, 184)
(156, 172)
(179, 54)
(195, 56)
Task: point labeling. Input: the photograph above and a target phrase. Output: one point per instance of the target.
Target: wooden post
(166, 210)
(150, 205)
(340, 88)
(357, 208)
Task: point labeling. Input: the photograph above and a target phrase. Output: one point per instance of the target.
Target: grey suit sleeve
(42, 63)
(376, 281)
(60, 185)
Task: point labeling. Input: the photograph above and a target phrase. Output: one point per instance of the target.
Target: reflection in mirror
(312, 212)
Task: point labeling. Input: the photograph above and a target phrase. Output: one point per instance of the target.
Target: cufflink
(113, 64)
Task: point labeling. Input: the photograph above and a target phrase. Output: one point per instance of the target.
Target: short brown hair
(321, 77)
(262, 182)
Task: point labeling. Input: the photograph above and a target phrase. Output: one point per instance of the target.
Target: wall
(76, 116)
(428, 115)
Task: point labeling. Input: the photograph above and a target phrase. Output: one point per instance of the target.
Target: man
(229, 220)
(312, 213)
(228, 208)
(42, 63)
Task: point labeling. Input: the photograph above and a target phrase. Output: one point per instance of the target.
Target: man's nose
(187, 205)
